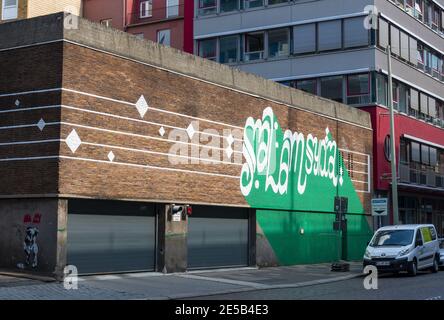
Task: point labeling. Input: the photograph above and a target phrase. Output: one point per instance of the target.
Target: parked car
(404, 248)
(441, 252)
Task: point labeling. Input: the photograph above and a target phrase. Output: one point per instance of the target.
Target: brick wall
(98, 102)
(43, 7)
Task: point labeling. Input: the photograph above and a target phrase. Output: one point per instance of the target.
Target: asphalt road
(425, 286)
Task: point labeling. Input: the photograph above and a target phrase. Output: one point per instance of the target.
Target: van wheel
(413, 268)
(435, 267)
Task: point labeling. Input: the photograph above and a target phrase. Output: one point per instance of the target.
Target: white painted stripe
(279, 25)
(144, 137)
(19, 126)
(29, 109)
(144, 121)
(31, 45)
(119, 163)
(158, 153)
(356, 152)
(358, 181)
(150, 167)
(23, 93)
(28, 158)
(151, 108)
(29, 142)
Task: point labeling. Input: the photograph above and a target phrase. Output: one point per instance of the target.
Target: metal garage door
(111, 236)
(217, 237)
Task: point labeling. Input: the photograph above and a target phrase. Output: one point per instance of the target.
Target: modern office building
(168, 22)
(337, 49)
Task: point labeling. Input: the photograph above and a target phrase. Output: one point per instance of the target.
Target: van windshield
(392, 238)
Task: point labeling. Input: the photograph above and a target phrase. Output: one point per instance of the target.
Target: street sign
(379, 207)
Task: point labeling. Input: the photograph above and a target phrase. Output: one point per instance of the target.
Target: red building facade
(169, 22)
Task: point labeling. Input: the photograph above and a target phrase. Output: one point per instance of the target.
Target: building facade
(140, 157)
(337, 49)
(23, 9)
(168, 22)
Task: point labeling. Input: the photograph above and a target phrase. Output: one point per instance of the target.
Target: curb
(262, 288)
(27, 276)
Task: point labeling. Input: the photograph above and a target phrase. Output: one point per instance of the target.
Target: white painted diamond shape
(162, 131)
(17, 102)
(229, 151)
(191, 131)
(73, 141)
(230, 139)
(41, 124)
(142, 106)
(111, 156)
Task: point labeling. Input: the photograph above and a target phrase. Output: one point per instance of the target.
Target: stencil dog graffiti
(30, 246)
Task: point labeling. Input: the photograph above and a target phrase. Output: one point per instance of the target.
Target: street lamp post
(392, 140)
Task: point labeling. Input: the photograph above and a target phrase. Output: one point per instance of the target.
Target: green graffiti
(298, 176)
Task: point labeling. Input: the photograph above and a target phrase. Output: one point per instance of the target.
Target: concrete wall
(48, 217)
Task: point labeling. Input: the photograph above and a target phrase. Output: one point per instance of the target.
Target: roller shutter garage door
(111, 236)
(217, 237)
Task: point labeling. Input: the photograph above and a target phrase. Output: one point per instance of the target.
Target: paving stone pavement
(173, 286)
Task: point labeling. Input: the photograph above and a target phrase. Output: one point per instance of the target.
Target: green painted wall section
(292, 179)
(318, 243)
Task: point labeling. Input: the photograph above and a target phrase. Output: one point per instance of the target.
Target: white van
(404, 248)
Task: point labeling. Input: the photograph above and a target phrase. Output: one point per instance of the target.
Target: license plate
(383, 263)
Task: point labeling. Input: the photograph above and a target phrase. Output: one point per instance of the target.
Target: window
(272, 2)
(413, 48)
(358, 89)
(381, 85)
(307, 85)
(424, 109)
(9, 9)
(432, 107)
(394, 40)
(395, 94)
(331, 88)
(433, 157)
(254, 46)
(304, 38)
(228, 49)
(420, 57)
(355, 34)
(329, 35)
(425, 154)
(172, 8)
(278, 43)
(414, 102)
(414, 148)
(404, 46)
(207, 49)
(383, 34)
(146, 9)
(164, 37)
(207, 6)
(253, 3)
(229, 5)
(402, 101)
(418, 9)
(107, 22)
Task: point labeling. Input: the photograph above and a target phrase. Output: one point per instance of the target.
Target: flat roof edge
(90, 34)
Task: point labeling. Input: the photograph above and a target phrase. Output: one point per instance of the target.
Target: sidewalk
(176, 286)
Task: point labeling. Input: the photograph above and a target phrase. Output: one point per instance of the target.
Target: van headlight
(367, 254)
(404, 252)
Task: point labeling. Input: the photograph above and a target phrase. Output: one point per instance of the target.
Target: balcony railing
(155, 14)
(423, 177)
